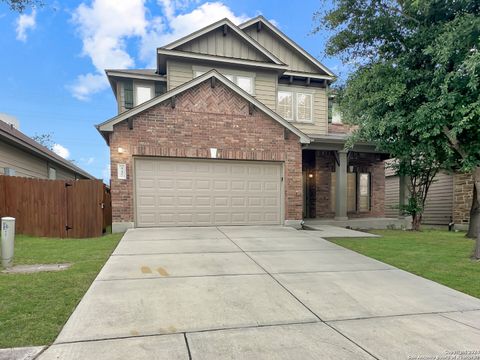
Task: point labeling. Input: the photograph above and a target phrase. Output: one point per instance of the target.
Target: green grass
(441, 256)
(34, 307)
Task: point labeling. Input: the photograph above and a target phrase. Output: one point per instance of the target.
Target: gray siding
(266, 89)
(63, 174)
(25, 164)
(28, 165)
(178, 73)
(231, 45)
(439, 204)
(392, 195)
(283, 51)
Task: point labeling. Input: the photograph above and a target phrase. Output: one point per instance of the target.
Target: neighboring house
(449, 199)
(232, 127)
(22, 156)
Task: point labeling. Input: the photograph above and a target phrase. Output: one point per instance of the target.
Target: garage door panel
(203, 184)
(164, 183)
(173, 192)
(238, 185)
(165, 201)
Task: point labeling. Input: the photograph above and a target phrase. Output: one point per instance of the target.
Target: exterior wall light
(310, 176)
(121, 150)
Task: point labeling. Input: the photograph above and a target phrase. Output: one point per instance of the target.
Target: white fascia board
(135, 76)
(220, 59)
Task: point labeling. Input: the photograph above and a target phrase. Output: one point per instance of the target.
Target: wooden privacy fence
(56, 208)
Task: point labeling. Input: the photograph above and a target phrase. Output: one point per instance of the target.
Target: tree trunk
(474, 223)
(476, 179)
(416, 221)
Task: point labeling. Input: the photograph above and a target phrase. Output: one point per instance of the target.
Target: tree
(45, 139)
(416, 79)
(21, 5)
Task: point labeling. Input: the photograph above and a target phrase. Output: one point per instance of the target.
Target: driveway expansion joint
(403, 315)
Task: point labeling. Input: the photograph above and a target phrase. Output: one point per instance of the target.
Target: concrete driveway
(260, 293)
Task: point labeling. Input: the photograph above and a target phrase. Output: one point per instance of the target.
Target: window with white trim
(304, 107)
(285, 104)
(295, 105)
(143, 93)
(243, 81)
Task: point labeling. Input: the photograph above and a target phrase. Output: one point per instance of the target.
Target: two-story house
(233, 127)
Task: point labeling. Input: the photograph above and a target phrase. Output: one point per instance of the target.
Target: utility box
(8, 236)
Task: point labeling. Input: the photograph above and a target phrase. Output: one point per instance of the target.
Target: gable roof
(289, 41)
(18, 139)
(234, 28)
(107, 126)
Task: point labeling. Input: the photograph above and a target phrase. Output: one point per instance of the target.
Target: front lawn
(440, 256)
(34, 307)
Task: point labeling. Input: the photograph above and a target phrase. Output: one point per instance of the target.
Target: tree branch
(452, 138)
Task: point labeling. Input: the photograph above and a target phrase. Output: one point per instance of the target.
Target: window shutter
(128, 93)
(160, 88)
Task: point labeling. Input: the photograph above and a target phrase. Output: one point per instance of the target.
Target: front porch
(345, 188)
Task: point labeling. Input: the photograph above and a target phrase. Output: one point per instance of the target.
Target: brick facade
(462, 198)
(319, 187)
(204, 118)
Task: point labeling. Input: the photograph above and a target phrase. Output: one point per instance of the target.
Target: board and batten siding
(217, 44)
(281, 49)
(439, 204)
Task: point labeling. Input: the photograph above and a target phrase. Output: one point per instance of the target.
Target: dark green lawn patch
(34, 307)
(441, 256)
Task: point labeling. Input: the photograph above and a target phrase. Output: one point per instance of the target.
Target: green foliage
(416, 89)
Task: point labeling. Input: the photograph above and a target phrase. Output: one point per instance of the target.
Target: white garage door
(198, 192)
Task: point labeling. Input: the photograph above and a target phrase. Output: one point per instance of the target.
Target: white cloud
(61, 151)
(173, 25)
(86, 84)
(25, 22)
(105, 27)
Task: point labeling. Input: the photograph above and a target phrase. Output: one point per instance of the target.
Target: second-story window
(285, 104)
(295, 105)
(304, 107)
(244, 82)
(143, 92)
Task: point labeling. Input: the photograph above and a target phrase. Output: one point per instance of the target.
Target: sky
(53, 59)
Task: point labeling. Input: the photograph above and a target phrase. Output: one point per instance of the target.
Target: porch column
(341, 186)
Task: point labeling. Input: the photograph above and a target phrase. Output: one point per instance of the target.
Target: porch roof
(337, 142)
